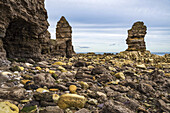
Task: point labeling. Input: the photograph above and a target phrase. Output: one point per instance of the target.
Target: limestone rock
(136, 36)
(71, 100)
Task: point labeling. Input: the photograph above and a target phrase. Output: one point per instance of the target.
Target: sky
(101, 25)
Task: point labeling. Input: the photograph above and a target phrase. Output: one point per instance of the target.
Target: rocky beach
(43, 75)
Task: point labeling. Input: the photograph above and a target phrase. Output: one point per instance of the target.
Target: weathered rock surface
(136, 36)
(63, 43)
(23, 28)
(24, 34)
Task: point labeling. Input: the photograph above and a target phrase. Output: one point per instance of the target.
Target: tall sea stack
(136, 36)
(63, 43)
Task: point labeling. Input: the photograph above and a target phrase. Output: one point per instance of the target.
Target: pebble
(72, 88)
(120, 75)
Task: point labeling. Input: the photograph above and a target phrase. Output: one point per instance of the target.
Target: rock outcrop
(63, 43)
(136, 36)
(23, 28)
(24, 34)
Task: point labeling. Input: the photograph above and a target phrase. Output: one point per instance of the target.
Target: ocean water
(157, 53)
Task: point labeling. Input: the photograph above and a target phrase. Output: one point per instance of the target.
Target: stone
(55, 97)
(7, 107)
(46, 96)
(136, 36)
(28, 65)
(52, 71)
(98, 70)
(84, 85)
(14, 93)
(120, 75)
(72, 88)
(5, 76)
(142, 66)
(59, 63)
(71, 100)
(90, 67)
(112, 68)
(163, 105)
(38, 68)
(17, 68)
(29, 109)
(115, 107)
(25, 81)
(62, 45)
(44, 80)
(80, 64)
(93, 101)
(82, 111)
(42, 90)
(52, 109)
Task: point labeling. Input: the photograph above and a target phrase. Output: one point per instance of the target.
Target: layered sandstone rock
(23, 29)
(24, 34)
(136, 36)
(63, 43)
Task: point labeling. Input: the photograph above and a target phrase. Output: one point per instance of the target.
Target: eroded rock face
(136, 36)
(23, 29)
(63, 43)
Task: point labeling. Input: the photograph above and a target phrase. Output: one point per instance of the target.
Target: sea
(157, 53)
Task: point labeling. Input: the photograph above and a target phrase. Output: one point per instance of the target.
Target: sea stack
(136, 36)
(63, 42)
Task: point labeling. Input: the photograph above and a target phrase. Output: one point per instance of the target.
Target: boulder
(71, 100)
(7, 107)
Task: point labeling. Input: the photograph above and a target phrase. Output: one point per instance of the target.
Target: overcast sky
(101, 25)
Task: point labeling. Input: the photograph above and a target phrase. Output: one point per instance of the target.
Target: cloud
(112, 44)
(84, 47)
(99, 24)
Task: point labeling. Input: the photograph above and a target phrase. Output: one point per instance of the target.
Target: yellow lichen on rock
(7, 107)
(71, 100)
